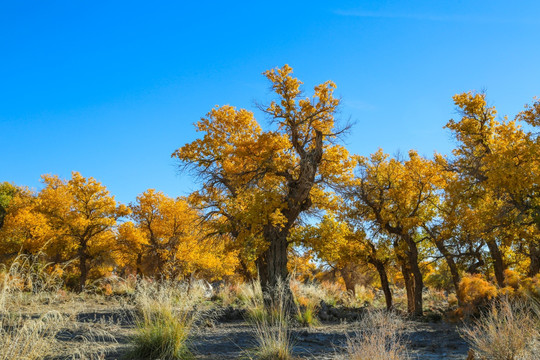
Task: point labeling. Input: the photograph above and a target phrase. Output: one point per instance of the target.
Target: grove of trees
(265, 197)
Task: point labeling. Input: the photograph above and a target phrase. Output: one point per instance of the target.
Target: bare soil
(103, 332)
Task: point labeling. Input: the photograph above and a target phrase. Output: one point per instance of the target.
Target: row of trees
(266, 192)
(75, 226)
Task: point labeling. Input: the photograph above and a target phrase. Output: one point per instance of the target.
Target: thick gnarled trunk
(272, 267)
(412, 277)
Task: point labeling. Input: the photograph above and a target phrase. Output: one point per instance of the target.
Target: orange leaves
(476, 291)
(167, 239)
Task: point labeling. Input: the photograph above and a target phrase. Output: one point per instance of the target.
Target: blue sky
(112, 88)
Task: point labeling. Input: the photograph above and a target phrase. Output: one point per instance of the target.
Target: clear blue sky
(112, 88)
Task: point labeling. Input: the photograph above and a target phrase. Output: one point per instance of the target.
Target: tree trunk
(272, 267)
(83, 258)
(408, 282)
(418, 287)
(139, 264)
(453, 267)
(379, 265)
(244, 271)
(498, 263)
(347, 273)
(534, 266)
(415, 277)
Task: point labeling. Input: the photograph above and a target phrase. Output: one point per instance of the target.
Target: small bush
(508, 331)
(306, 314)
(161, 335)
(476, 293)
(164, 320)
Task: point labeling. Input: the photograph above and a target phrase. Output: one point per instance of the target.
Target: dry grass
(271, 330)
(165, 316)
(27, 289)
(26, 339)
(379, 338)
(508, 331)
(23, 337)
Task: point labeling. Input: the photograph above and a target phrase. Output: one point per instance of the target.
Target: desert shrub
(520, 286)
(309, 292)
(162, 333)
(379, 338)
(165, 316)
(225, 295)
(508, 331)
(307, 298)
(435, 299)
(476, 292)
(306, 312)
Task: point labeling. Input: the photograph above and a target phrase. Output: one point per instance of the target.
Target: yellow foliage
(167, 240)
(475, 290)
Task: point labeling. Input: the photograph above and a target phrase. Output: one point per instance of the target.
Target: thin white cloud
(431, 17)
(359, 105)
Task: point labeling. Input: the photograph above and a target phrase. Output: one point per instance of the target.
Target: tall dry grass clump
(509, 330)
(379, 338)
(271, 330)
(28, 339)
(22, 337)
(165, 317)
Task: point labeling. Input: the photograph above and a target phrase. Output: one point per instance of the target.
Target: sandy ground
(103, 334)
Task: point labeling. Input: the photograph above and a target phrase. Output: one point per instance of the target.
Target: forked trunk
(407, 279)
(413, 277)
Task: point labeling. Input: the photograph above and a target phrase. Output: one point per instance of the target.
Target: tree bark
(408, 285)
(272, 267)
(139, 264)
(347, 273)
(498, 263)
(452, 266)
(534, 266)
(381, 270)
(83, 258)
(413, 276)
